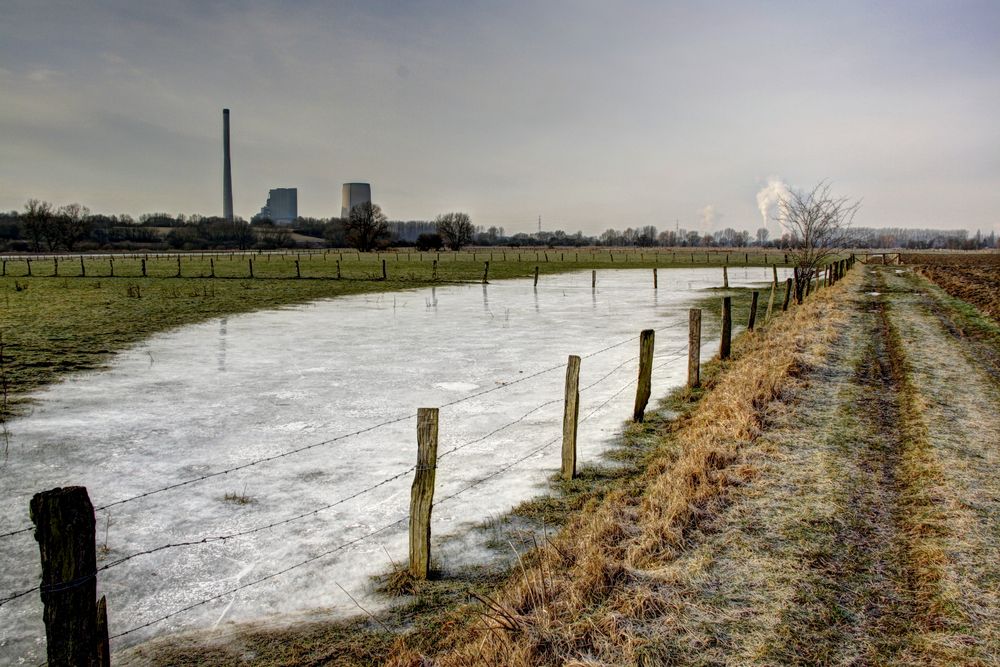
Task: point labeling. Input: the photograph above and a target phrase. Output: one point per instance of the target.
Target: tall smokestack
(227, 171)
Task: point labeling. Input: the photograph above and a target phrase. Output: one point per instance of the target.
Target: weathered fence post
(178, 266)
(338, 269)
(384, 275)
(643, 390)
(434, 270)
(655, 286)
(55, 267)
(593, 279)
(770, 301)
(726, 341)
(298, 269)
(422, 492)
(28, 262)
(571, 414)
(101, 634)
(753, 310)
(4, 267)
(486, 272)
(788, 294)
(83, 269)
(694, 347)
(250, 264)
(725, 277)
(536, 276)
(211, 266)
(64, 528)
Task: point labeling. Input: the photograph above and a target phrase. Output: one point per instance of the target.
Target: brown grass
(590, 595)
(975, 285)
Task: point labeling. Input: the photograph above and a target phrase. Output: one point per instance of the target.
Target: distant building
(282, 206)
(354, 194)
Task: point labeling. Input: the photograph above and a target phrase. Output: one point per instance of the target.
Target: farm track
(869, 536)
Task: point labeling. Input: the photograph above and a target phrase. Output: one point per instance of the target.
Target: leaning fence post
(753, 310)
(64, 528)
(571, 414)
(788, 294)
(770, 301)
(726, 342)
(694, 347)
(422, 492)
(644, 388)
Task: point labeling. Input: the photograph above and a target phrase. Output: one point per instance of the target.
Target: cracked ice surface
(219, 394)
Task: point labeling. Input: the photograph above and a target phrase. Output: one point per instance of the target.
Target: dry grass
(594, 594)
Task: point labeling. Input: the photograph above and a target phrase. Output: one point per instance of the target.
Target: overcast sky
(590, 114)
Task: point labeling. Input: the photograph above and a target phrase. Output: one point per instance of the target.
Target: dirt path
(870, 534)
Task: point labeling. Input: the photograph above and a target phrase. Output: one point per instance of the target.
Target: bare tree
(455, 228)
(818, 226)
(72, 226)
(366, 226)
(762, 235)
(37, 219)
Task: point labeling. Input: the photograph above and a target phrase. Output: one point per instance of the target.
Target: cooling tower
(227, 174)
(354, 194)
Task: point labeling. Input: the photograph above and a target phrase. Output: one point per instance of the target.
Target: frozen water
(220, 394)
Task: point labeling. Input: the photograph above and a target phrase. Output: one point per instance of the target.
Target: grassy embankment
(55, 324)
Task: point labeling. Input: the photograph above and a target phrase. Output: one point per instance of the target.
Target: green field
(71, 313)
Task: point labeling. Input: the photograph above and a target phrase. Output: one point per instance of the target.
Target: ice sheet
(220, 394)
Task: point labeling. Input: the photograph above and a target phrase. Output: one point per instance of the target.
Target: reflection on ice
(254, 386)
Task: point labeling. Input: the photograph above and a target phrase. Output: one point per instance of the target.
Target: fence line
(223, 538)
(371, 534)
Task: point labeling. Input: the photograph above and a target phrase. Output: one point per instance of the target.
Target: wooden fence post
(770, 302)
(593, 279)
(726, 342)
(298, 269)
(250, 264)
(64, 528)
(55, 267)
(422, 492)
(4, 268)
(654, 279)
(28, 262)
(694, 347)
(434, 270)
(83, 268)
(571, 414)
(753, 310)
(788, 294)
(486, 272)
(111, 264)
(211, 266)
(643, 390)
(178, 266)
(725, 277)
(338, 269)
(384, 275)
(536, 276)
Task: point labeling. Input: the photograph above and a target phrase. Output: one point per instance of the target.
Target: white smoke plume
(768, 199)
(709, 216)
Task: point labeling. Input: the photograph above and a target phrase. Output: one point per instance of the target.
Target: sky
(592, 115)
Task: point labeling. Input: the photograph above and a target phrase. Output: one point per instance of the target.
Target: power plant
(227, 173)
(282, 206)
(353, 194)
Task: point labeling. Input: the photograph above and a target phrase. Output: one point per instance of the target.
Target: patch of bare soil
(979, 286)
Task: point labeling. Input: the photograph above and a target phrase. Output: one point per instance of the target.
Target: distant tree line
(43, 227)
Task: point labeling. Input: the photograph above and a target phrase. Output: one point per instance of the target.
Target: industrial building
(354, 194)
(282, 206)
(227, 170)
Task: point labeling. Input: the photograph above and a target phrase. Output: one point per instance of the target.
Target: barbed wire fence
(665, 359)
